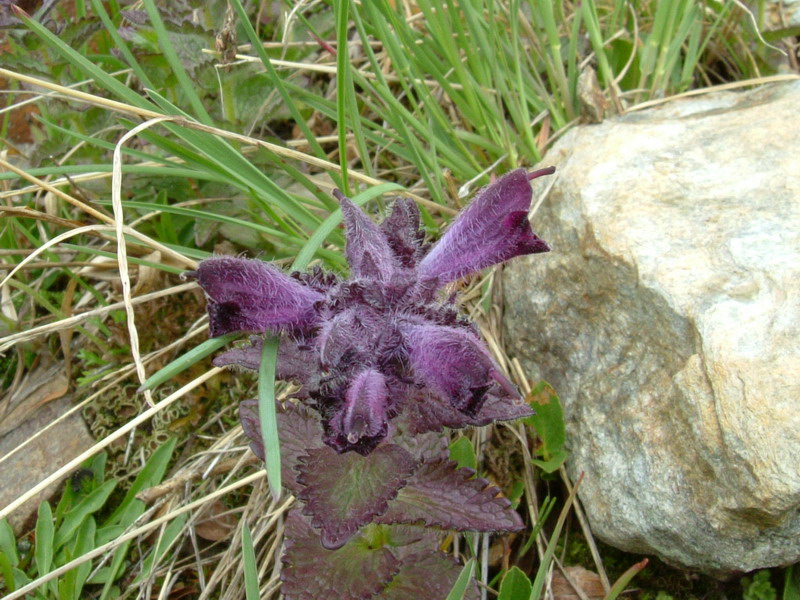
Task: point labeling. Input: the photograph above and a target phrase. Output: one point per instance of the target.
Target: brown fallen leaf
(588, 581)
(218, 523)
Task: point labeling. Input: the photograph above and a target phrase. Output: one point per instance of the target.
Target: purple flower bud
(251, 295)
(492, 229)
(361, 421)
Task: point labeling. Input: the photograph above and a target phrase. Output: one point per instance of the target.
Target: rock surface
(39, 401)
(668, 319)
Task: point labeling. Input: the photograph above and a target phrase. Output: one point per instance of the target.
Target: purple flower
(383, 342)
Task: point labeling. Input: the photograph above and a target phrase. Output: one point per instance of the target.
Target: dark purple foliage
(384, 363)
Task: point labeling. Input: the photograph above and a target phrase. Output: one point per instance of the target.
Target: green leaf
(73, 580)
(549, 425)
(185, 361)
(463, 453)
(266, 414)
(250, 570)
(624, 579)
(7, 571)
(515, 585)
(151, 474)
(75, 517)
(460, 587)
(43, 554)
(8, 543)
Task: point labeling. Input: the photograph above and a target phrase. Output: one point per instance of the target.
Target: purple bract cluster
(384, 342)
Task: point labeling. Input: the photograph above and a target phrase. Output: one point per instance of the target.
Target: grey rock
(38, 402)
(668, 319)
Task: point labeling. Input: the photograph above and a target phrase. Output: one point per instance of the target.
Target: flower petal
(491, 230)
(454, 364)
(361, 422)
(251, 295)
(368, 252)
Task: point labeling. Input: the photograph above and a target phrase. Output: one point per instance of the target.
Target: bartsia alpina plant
(384, 363)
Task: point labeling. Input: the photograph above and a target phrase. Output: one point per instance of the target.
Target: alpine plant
(384, 362)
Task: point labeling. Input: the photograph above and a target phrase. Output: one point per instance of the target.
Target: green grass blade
(151, 474)
(266, 414)
(83, 64)
(460, 586)
(165, 541)
(244, 23)
(624, 579)
(250, 570)
(185, 361)
(111, 29)
(341, 9)
(544, 566)
(175, 62)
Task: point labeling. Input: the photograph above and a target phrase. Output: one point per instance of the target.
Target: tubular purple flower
(454, 364)
(361, 422)
(251, 295)
(492, 229)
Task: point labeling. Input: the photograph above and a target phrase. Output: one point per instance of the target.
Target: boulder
(668, 319)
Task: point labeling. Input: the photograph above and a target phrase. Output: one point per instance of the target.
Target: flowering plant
(384, 364)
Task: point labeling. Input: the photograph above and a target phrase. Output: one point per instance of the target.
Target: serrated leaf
(356, 571)
(515, 586)
(433, 573)
(549, 425)
(345, 491)
(299, 431)
(441, 495)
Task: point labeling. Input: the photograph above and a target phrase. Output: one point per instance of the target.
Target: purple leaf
(293, 360)
(455, 364)
(492, 229)
(432, 571)
(356, 571)
(345, 491)
(368, 252)
(299, 432)
(441, 495)
(251, 295)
